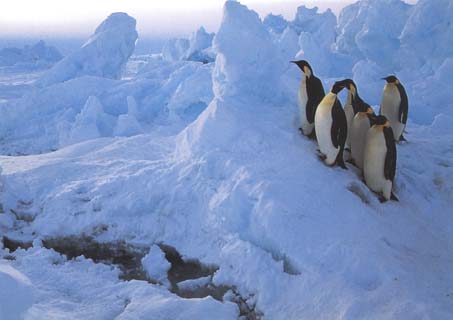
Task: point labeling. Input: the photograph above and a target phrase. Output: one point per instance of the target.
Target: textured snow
(207, 158)
(156, 266)
(197, 48)
(200, 42)
(275, 23)
(175, 49)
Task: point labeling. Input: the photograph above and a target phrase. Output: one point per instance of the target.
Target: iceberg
(104, 54)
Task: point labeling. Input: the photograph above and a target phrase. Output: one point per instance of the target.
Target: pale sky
(154, 17)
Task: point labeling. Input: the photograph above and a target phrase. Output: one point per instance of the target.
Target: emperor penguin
(331, 127)
(352, 106)
(379, 163)
(395, 106)
(363, 120)
(311, 92)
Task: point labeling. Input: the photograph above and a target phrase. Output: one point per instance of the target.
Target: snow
(16, 295)
(156, 266)
(207, 159)
(175, 49)
(432, 22)
(239, 64)
(38, 55)
(197, 48)
(200, 42)
(275, 23)
(104, 54)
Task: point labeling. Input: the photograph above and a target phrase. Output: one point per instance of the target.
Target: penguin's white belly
(359, 129)
(390, 106)
(323, 125)
(307, 127)
(374, 162)
(349, 111)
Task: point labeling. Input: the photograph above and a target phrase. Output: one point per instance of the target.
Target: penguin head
(338, 86)
(363, 107)
(304, 66)
(351, 86)
(391, 79)
(382, 121)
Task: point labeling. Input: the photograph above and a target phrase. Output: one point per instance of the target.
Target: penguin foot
(351, 161)
(393, 197)
(342, 164)
(340, 161)
(402, 138)
(312, 135)
(301, 131)
(382, 199)
(321, 156)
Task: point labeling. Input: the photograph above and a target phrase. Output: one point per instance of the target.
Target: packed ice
(177, 185)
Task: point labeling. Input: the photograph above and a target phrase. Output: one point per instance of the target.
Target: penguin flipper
(390, 157)
(316, 90)
(339, 129)
(404, 104)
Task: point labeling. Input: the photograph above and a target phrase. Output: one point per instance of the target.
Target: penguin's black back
(390, 157)
(404, 105)
(315, 93)
(339, 129)
(358, 105)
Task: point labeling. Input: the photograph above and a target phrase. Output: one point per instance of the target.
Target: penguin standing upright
(379, 164)
(361, 124)
(352, 106)
(311, 93)
(331, 127)
(395, 106)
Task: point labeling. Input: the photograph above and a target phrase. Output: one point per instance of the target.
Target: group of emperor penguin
(369, 138)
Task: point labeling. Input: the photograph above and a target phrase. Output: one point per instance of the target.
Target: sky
(79, 18)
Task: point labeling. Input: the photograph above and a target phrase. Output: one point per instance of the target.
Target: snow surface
(207, 158)
(16, 294)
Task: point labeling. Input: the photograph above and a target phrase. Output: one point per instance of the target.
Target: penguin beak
(387, 124)
(369, 111)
